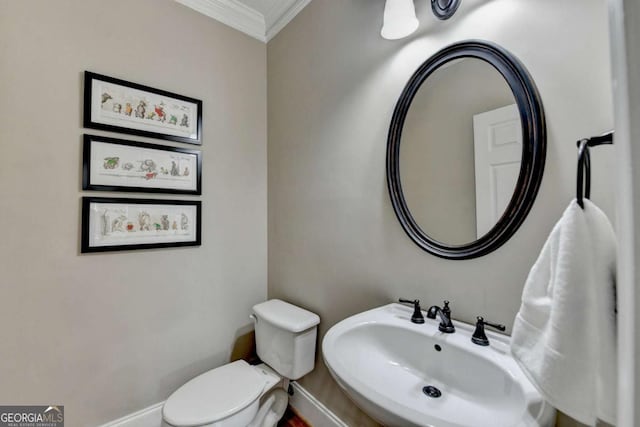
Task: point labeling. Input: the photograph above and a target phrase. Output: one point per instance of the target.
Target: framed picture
(110, 164)
(113, 224)
(120, 106)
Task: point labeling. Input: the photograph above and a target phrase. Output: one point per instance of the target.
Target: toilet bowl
(241, 395)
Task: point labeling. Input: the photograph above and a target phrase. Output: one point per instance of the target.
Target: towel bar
(583, 185)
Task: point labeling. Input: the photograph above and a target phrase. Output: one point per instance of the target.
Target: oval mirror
(466, 150)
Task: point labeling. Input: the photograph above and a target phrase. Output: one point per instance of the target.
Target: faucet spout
(445, 317)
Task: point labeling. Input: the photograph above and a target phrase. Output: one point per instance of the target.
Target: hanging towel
(564, 336)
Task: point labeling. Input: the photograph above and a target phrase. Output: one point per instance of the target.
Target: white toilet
(242, 395)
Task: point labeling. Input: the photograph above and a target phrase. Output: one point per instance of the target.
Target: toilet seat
(214, 395)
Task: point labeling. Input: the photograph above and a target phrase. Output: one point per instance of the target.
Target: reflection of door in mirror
(497, 140)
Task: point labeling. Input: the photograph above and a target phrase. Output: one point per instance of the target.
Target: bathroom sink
(406, 374)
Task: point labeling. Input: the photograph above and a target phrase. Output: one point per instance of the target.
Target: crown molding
(243, 18)
(286, 16)
(231, 13)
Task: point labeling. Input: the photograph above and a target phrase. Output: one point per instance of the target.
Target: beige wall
(108, 334)
(335, 246)
(437, 164)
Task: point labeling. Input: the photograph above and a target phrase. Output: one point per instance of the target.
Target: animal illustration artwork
(111, 162)
(105, 97)
(159, 110)
(144, 220)
(147, 165)
(119, 224)
(174, 169)
(141, 109)
(147, 169)
(130, 105)
(112, 226)
(164, 220)
(184, 222)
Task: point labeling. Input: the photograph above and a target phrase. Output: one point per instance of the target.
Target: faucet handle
(416, 317)
(445, 309)
(497, 326)
(479, 337)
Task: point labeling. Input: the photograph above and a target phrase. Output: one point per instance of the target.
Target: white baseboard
(311, 409)
(305, 404)
(147, 417)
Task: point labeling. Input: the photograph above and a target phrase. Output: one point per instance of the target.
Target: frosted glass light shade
(399, 19)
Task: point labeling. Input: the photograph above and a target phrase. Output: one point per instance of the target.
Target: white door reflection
(497, 137)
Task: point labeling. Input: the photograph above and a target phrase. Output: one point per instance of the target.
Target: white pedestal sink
(389, 367)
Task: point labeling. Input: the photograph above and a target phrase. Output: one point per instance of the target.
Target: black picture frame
(194, 158)
(89, 226)
(133, 119)
(534, 148)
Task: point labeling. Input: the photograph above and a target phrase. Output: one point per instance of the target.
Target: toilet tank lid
(286, 316)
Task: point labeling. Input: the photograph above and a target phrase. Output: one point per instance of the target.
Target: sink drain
(431, 391)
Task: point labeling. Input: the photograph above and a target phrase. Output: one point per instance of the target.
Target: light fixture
(399, 19)
(400, 16)
(444, 9)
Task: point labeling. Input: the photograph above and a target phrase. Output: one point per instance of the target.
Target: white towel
(564, 336)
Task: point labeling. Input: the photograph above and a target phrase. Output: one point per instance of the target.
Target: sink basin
(406, 374)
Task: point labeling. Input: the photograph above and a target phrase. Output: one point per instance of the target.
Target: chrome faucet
(445, 317)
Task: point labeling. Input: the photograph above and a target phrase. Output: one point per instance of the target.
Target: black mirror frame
(534, 147)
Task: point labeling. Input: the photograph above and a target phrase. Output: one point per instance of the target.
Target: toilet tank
(286, 337)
